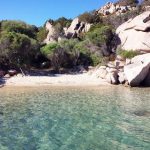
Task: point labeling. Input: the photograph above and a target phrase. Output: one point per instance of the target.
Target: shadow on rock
(2, 82)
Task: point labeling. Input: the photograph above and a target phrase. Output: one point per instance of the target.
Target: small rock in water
(1, 113)
(142, 113)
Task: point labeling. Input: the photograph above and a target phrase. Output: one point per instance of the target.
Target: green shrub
(64, 22)
(90, 17)
(60, 23)
(18, 48)
(49, 49)
(101, 36)
(41, 35)
(68, 45)
(95, 59)
(19, 27)
(127, 54)
(82, 47)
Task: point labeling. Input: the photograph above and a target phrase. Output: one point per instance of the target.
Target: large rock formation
(135, 73)
(138, 70)
(111, 8)
(76, 28)
(135, 33)
(73, 31)
(51, 36)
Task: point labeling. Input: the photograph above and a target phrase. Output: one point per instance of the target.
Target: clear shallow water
(101, 118)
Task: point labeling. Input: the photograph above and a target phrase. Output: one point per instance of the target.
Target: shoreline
(57, 80)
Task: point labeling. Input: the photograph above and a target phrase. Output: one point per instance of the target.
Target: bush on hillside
(60, 23)
(17, 48)
(49, 49)
(90, 17)
(116, 20)
(57, 56)
(19, 27)
(64, 22)
(101, 37)
(65, 54)
(127, 54)
(42, 34)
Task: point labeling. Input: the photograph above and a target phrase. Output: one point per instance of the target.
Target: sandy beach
(57, 80)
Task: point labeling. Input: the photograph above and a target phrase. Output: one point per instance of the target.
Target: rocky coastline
(132, 72)
(133, 35)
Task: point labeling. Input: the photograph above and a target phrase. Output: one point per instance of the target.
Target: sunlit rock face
(138, 70)
(76, 28)
(114, 8)
(51, 33)
(73, 31)
(135, 33)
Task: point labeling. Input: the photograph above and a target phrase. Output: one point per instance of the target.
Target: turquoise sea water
(96, 118)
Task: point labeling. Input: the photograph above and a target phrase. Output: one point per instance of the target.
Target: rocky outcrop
(135, 33)
(135, 72)
(138, 70)
(111, 8)
(73, 31)
(108, 72)
(51, 36)
(76, 28)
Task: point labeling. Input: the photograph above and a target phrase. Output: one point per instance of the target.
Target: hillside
(64, 44)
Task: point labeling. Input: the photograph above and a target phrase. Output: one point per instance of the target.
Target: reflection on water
(100, 118)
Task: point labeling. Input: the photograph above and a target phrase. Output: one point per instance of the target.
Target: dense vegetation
(22, 44)
(90, 17)
(18, 44)
(59, 25)
(92, 49)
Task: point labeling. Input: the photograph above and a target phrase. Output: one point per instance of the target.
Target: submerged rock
(142, 113)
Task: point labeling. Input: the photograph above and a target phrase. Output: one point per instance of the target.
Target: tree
(19, 27)
(17, 48)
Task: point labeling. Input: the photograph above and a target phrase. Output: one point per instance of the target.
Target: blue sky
(38, 11)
